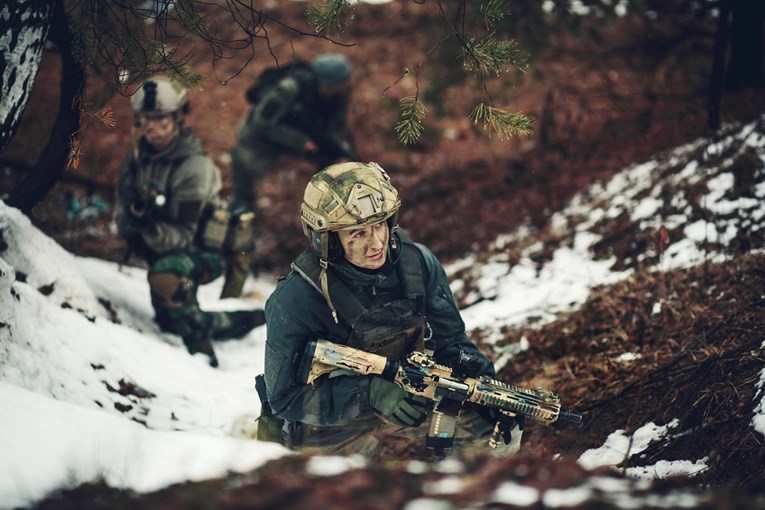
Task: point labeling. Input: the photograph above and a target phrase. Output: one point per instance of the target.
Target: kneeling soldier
(166, 182)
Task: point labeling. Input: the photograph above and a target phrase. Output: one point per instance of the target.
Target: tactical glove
(397, 405)
(137, 219)
(507, 424)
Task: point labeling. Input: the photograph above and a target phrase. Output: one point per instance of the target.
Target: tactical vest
(390, 325)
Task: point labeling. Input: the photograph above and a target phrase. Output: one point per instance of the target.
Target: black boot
(201, 343)
(238, 323)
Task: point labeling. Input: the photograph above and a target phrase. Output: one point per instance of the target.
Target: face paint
(159, 131)
(365, 247)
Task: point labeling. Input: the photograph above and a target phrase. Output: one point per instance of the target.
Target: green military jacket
(292, 112)
(184, 175)
(297, 313)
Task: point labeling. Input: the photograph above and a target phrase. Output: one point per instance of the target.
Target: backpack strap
(409, 267)
(308, 267)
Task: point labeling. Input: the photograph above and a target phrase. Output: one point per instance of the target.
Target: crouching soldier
(362, 283)
(297, 111)
(166, 182)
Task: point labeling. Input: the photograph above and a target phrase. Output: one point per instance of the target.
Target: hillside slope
(602, 94)
(663, 355)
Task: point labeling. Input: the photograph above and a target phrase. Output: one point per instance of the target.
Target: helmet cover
(348, 195)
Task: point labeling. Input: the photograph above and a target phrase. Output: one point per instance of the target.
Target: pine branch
(190, 16)
(492, 54)
(502, 122)
(410, 128)
(495, 11)
(329, 18)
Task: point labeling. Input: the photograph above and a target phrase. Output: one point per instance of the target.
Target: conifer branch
(493, 54)
(329, 18)
(410, 127)
(502, 122)
(495, 11)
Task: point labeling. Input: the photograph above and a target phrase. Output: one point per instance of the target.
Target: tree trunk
(24, 26)
(717, 78)
(54, 157)
(747, 40)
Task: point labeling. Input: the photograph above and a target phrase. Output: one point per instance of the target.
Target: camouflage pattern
(179, 311)
(348, 195)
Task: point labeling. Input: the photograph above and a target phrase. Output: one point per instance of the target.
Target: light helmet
(343, 196)
(348, 195)
(159, 95)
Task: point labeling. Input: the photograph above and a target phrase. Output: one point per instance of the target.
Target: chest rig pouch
(390, 325)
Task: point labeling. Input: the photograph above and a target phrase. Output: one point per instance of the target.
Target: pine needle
(75, 148)
(106, 116)
(496, 55)
(495, 10)
(329, 18)
(410, 128)
(503, 123)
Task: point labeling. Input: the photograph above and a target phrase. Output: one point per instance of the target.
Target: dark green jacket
(292, 112)
(296, 313)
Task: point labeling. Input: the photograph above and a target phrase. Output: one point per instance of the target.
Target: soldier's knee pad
(171, 289)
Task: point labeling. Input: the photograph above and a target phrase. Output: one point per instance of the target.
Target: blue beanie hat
(331, 69)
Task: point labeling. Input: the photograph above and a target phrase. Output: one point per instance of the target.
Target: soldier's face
(365, 247)
(158, 130)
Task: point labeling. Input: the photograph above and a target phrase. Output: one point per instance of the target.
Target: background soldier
(297, 110)
(365, 284)
(165, 183)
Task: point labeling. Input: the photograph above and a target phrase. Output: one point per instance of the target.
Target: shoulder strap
(408, 265)
(410, 271)
(307, 266)
(270, 76)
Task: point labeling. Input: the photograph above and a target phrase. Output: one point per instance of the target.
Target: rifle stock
(322, 357)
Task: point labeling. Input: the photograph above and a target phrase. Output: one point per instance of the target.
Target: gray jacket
(186, 177)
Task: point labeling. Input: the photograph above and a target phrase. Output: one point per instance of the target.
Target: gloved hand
(507, 424)
(398, 406)
(137, 219)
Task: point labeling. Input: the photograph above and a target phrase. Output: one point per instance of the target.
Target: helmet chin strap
(324, 263)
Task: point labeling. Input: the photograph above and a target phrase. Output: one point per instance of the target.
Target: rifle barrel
(569, 416)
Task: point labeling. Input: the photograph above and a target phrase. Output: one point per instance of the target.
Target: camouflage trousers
(366, 438)
(173, 280)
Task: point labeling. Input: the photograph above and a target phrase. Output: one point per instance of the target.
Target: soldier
(166, 181)
(362, 283)
(297, 110)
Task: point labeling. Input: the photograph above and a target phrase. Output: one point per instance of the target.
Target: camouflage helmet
(348, 195)
(341, 196)
(160, 96)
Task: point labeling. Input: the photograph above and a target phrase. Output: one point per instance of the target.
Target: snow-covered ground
(90, 388)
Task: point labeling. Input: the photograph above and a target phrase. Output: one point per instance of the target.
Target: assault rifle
(449, 388)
